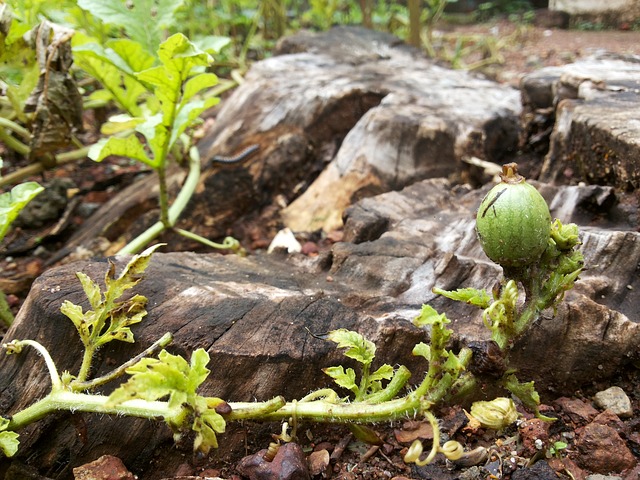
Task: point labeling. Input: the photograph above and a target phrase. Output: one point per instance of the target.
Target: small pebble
(616, 400)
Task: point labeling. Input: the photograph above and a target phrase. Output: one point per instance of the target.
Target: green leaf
(144, 21)
(198, 371)
(187, 114)
(11, 203)
(115, 73)
(155, 132)
(127, 147)
(525, 392)
(385, 372)
(198, 83)
(121, 123)
(472, 296)
(76, 315)
(121, 318)
(429, 316)
(110, 320)
(170, 375)
(128, 56)
(358, 347)
(345, 379)
(212, 44)
(152, 379)
(453, 365)
(8, 440)
(155, 76)
(423, 350)
(91, 290)
(206, 425)
(131, 274)
(178, 54)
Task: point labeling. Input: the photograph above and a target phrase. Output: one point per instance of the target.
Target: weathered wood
(588, 112)
(354, 107)
(256, 315)
(368, 131)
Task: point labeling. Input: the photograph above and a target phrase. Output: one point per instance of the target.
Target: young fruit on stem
(513, 221)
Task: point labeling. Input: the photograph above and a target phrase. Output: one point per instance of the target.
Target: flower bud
(496, 414)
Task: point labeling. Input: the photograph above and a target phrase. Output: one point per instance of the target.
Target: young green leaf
(344, 378)
(171, 375)
(8, 440)
(429, 316)
(472, 296)
(385, 372)
(526, 393)
(115, 67)
(126, 147)
(109, 319)
(206, 425)
(196, 84)
(11, 203)
(423, 350)
(134, 18)
(358, 347)
(168, 375)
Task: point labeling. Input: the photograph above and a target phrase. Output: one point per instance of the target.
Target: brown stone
(611, 420)
(319, 463)
(289, 463)
(106, 467)
(534, 435)
(577, 411)
(601, 450)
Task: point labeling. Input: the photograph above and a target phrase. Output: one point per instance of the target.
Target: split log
(352, 109)
(256, 316)
(586, 114)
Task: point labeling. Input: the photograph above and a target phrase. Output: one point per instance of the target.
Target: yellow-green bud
(496, 414)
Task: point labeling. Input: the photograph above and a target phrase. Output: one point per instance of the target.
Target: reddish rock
(319, 463)
(288, 464)
(601, 450)
(564, 465)
(106, 467)
(534, 435)
(610, 419)
(413, 430)
(577, 411)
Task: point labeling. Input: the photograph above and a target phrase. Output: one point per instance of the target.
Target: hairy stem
(80, 386)
(72, 401)
(176, 209)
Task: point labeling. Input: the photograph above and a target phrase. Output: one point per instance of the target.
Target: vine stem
(36, 168)
(165, 340)
(319, 411)
(324, 410)
(17, 345)
(174, 212)
(66, 400)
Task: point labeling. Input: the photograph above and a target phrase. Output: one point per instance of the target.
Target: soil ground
(519, 49)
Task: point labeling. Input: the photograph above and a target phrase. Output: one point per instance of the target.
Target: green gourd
(513, 222)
